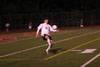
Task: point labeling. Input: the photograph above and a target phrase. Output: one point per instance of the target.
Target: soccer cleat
(47, 52)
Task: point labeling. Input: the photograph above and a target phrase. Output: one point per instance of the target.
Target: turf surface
(29, 51)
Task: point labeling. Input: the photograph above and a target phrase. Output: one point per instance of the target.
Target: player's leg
(51, 41)
(49, 44)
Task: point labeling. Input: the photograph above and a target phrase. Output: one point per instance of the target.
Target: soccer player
(7, 26)
(45, 33)
(30, 25)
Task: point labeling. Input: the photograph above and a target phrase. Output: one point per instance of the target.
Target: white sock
(49, 45)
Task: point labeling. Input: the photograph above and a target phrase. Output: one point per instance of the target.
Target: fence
(62, 19)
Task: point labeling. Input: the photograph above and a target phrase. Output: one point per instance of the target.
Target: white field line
(88, 62)
(10, 54)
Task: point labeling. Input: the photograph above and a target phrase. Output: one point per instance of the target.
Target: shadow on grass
(54, 51)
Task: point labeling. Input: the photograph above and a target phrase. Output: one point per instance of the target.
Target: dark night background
(30, 6)
(64, 13)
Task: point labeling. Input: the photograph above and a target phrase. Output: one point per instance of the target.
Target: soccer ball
(54, 27)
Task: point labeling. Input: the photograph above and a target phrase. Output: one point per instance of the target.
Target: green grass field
(66, 52)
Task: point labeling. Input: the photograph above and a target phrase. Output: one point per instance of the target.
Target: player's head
(46, 20)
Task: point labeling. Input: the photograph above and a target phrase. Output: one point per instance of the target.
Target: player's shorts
(45, 36)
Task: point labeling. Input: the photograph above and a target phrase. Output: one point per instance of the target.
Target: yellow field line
(86, 43)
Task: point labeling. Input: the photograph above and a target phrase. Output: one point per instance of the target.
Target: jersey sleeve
(51, 29)
(39, 28)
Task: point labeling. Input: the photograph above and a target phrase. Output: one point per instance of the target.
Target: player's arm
(38, 29)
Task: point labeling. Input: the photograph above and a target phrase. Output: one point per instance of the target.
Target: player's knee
(47, 37)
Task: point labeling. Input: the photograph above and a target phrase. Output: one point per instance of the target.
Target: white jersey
(7, 25)
(45, 29)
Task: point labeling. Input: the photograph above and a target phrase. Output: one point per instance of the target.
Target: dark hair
(46, 19)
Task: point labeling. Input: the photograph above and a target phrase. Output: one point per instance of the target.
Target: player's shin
(49, 45)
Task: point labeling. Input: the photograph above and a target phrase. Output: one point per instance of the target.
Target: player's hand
(36, 35)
